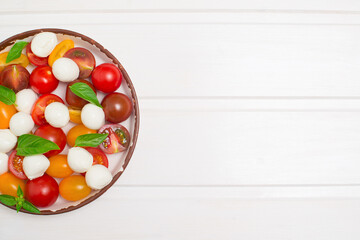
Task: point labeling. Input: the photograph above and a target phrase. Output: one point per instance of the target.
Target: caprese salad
(34, 168)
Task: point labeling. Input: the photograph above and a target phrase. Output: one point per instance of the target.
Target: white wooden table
(250, 119)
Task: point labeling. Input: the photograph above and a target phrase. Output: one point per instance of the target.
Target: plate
(117, 162)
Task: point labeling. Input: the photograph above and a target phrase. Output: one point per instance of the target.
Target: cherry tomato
(84, 59)
(117, 107)
(73, 100)
(99, 156)
(38, 109)
(22, 60)
(106, 77)
(75, 115)
(35, 60)
(74, 188)
(59, 167)
(77, 131)
(42, 191)
(118, 139)
(42, 80)
(9, 184)
(60, 50)
(6, 112)
(55, 135)
(15, 77)
(15, 165)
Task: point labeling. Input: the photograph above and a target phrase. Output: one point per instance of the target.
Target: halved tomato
(22, 60)
(15, 165)
(118, 139)
(99, 156)
(60, 50)
(35, 60)
(38, 110)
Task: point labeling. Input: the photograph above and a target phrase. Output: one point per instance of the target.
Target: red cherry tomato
(106, 77)
(117, 107)
(42, 80)
(118, 139)
(72, 99)
(38, 109)
(35, 60)
(42, 191)
(55, 135)
(15, 165)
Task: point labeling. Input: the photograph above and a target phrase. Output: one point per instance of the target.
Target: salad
(40, 160)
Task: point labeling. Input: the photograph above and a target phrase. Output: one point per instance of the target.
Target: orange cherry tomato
(60, 50)
(74, 188)
(9, 184)
(75, 115)
(59, 167)
(77, 131)
(6, 112)
(22, 60)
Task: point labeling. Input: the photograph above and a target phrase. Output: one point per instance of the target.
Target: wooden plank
(245, 146)
(127, 214)
(156, 5)
(243, 59)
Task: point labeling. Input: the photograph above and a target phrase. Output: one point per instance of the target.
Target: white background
(250, 119)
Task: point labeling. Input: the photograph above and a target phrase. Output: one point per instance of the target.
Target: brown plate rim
(9, 41)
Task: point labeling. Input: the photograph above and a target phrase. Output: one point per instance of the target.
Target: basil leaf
(15, 51)
(90, 140)
(19, 192)
(7, 95)
(85, 92)
(7, 200)
(31, 145)
(28, 206)
(18, 207)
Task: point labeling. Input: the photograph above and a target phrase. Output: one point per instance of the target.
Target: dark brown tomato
(117, 107)
(15, 77)
(84, 59)
(73, 100)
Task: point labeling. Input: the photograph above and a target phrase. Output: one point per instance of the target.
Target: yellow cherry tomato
(59, 167)
(77, 131)
(6, 112)
(75, 115)
(9, 184)
(22, 60)
(74, 188)
(60, 50)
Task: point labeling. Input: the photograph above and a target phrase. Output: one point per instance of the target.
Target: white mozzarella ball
(25, 100)
(21, 123)
(92, 116)
(65, 70)
(57, 114)
(3, 163)
(98, 176)
(79, 159)
(35, 166)
(43, 44)
(7, 140)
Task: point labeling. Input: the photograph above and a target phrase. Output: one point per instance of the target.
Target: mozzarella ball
(3, 163)
(65, 70)
(79, 159)
(98, 176)
(43, 44)
(7, 140)
(57, 114)
(25, 100)
(92, 116)
(21, 123)
(35, 166)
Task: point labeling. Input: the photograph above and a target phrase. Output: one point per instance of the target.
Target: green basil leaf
(90, 140)
(7, 95)
(7, 200)
(85, 92)
(28, 206)
(31, 145)
(20, 192)
(18, 207)
(15, 51)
